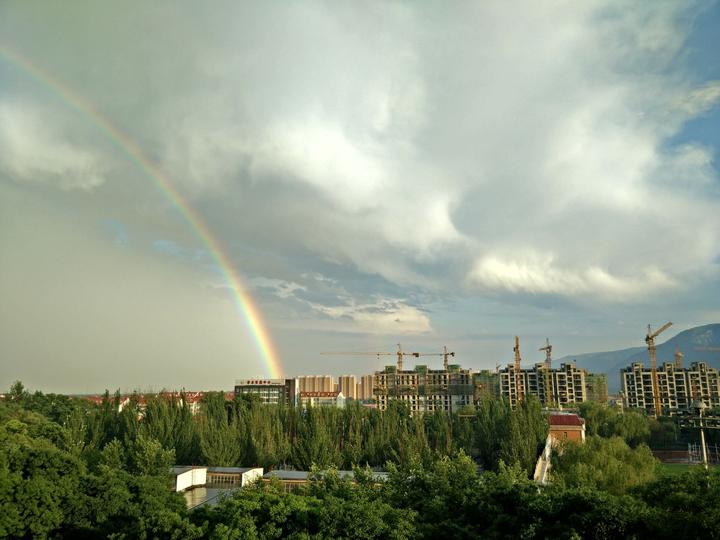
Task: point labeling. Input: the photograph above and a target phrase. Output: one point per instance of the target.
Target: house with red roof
(566, 427)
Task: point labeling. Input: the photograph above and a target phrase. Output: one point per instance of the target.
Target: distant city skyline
(193, 194)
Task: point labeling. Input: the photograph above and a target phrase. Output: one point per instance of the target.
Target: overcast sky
(377, 172)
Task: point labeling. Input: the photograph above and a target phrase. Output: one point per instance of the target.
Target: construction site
(552, 387)
(671, 388)
(663, 390)
(424, 390)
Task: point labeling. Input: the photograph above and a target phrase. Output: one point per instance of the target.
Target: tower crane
(547, 372)
(399, 353)
(518, 386)
(548, 353)
(652, 353)
(708, 349)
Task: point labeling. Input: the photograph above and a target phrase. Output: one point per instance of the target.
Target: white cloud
(391, 317)
(33, 150)
(539, 274)
(404, 141)
(281, 288)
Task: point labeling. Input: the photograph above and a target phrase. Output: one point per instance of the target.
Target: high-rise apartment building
(553, 387)
(347, 384)
(365, 388)
(316, 383)
(423, 389)
(678, 388)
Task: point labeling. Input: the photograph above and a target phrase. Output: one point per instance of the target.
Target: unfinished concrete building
(678, 387)
(486, 385)
(553, 387)
(423, 389)
(597, 387)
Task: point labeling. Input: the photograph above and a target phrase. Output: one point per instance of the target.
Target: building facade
(486, 385)
(365, 388)
(321, 399)
(559, 387)
(424, 390)
(566, 427)
(269, 391)
(347, 384)
(678, 388)
(597, 387)
(316, 383)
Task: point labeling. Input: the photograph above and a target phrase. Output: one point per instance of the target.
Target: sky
(374, 172)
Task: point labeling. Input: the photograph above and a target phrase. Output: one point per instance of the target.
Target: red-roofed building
(566, 427)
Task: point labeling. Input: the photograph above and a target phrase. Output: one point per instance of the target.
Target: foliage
(604, 464)
(70, 470)
(633, 427)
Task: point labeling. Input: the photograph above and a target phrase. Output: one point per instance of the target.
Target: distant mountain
(612, 362)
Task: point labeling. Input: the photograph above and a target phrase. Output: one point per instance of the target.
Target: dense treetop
(71, 469)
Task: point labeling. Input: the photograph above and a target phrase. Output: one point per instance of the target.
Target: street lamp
(700, 406)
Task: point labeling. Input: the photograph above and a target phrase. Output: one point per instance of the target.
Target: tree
(17, 392)
(221, 432)
(605, 464)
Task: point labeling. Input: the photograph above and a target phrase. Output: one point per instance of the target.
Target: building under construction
(423, 389)
(597, 387)
(678, 388)
(553, 387)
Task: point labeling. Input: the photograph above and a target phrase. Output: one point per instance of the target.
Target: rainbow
(244, 303)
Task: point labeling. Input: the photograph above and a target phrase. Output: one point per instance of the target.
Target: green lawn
(678, 468)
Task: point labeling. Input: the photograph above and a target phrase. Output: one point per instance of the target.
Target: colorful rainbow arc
(243, 301)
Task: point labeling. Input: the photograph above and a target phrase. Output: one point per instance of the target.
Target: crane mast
(518, 378)
(652, 353)
(548, 353)
(547, 372)
(445, 355)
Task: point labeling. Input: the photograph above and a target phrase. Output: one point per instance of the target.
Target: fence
(695, 453)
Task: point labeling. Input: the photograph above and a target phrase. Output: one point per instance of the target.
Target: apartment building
(347, 384)
(423, 389)
(316, 383)
(554, 387)
(678, 388)
(365, 388)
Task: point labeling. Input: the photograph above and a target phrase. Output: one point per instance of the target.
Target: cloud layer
(364, 163)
